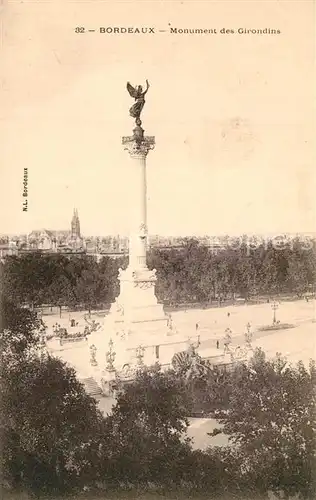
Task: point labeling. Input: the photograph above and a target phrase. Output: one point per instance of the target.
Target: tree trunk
(60, 311)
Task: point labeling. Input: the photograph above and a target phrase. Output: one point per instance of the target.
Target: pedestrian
(228, 314)
(196, 326)
(217, 344)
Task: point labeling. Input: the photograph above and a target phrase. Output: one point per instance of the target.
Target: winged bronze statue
(139, 95)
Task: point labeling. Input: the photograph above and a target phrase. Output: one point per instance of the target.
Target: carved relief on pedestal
(144, 279)
(144, 285)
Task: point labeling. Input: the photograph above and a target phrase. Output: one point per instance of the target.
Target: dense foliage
(49, 427)
(195, 273)
(37, 279)
(145, 431)
(267, 409)
(271, 421)
(192, 273)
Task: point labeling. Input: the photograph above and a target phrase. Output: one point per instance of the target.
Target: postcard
(158, 249)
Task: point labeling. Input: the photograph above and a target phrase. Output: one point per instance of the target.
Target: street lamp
(274, 306)
(248, 334)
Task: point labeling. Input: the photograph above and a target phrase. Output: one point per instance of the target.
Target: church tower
(75, 225)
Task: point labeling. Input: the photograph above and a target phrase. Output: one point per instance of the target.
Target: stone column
(138, 147)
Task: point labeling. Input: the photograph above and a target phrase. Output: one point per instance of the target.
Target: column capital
(138, 148)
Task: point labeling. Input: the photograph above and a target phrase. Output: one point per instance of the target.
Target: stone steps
(91, 387)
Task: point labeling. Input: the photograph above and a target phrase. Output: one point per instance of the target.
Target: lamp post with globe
(274, 306)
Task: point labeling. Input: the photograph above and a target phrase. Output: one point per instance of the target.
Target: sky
(233, 116)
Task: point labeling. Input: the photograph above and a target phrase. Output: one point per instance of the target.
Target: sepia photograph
(157, 250)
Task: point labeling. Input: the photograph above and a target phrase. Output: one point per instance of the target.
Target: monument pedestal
(137, 303)
(136, 319)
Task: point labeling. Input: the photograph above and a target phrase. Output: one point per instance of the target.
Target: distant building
(75, 225)
(8, 248)
(71, 242)
(42, 240)
(63, 241)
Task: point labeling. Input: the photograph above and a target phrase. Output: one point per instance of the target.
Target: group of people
(89, 328)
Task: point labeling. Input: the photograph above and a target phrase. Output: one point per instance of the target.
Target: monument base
(136, 311)
(137, 324)
(157, 347)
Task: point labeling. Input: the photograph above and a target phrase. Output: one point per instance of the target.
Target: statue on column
(139, 95)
